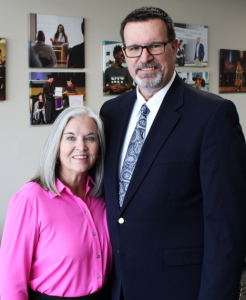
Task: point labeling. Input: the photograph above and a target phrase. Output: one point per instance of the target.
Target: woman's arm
(19, 240)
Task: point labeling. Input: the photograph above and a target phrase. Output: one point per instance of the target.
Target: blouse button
(87, 213)
(94, 233)
(99, 277)
(98, 256)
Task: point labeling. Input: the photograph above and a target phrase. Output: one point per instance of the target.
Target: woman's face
(79, 146)
(60, 28)
(181, 44)
(40, 98)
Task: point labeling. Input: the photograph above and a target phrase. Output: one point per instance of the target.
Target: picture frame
(56, 41)
(44, 106)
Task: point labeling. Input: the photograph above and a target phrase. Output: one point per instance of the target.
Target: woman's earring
(57, 160)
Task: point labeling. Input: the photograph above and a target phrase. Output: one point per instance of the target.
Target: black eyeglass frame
(146, 46)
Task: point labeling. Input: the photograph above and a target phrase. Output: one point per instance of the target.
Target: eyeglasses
(153, 49)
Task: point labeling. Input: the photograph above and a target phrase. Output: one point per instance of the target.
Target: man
(49, 99)
(76, 56)
(177, 219)
(199, 52)
(45, 52)
(117, 78)
(70, 88)
(200, 83)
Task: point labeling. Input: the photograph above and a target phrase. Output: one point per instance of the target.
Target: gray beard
(149, 82)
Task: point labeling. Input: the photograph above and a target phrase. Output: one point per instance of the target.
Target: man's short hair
(145, 13)
(117, 49)
(40, 36)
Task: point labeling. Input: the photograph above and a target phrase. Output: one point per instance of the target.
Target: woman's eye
(70, 138)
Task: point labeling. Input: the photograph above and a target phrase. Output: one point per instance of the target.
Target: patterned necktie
(132, 153)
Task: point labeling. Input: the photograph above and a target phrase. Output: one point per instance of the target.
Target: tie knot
(145, 110)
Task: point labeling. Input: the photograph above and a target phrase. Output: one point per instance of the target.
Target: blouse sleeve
(19, 240)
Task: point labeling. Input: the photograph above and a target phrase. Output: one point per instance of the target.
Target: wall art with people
(193, 45)
(116, 77)
(51, 93)
(199, 80)
(232, 71)
(2, 69)
(56, 41)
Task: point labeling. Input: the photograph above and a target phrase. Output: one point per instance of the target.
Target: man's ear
(174, 45)
(123, 51)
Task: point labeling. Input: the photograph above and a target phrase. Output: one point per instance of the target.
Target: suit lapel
(165, 121)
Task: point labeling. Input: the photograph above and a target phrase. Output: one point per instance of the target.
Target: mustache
(153, 64)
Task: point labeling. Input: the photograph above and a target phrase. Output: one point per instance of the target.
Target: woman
(55, 241)
(59, 37)
(180, 54)
(38, 111)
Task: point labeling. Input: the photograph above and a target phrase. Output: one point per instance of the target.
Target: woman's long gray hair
(46, 175)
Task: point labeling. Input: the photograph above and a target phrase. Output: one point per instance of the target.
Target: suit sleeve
(223, 180)
(19, 240)
(203, 52)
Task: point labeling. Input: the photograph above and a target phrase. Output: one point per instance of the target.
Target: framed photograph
(193, 45)
(50, 93)
(116, 77)
(232, 72)
(199, 80)
(2, 68)
(56, 42)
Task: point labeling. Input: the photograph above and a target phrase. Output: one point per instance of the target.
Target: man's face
(119, 57)
(150, 71)
(198, 40)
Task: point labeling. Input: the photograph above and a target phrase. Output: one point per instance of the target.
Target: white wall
(21, 143)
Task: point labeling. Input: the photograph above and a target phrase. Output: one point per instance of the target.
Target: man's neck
(116, 65)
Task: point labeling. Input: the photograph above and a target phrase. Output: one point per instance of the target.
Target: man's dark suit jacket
(184, 230)
(201, 52)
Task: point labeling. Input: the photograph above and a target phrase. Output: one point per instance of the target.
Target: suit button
(121, 220)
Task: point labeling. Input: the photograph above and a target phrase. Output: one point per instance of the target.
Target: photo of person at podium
(57, 34)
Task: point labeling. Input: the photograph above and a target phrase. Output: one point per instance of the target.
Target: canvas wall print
(51, 93)
(193, 45)
(116, 77)
(2, 69)
(232, 71)
(199, 80)
(56, 41)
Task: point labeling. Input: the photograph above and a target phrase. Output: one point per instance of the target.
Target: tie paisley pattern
(132, 153)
